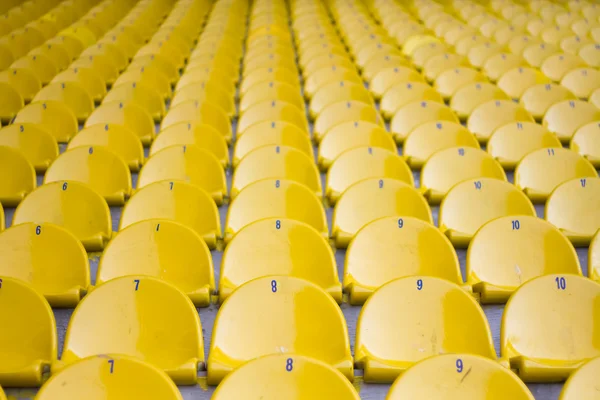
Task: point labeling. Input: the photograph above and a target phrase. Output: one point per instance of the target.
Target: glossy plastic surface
(417, 113)
(344, 111)
(54, 116)
(18, 176)
(130, 115)
(489, 116)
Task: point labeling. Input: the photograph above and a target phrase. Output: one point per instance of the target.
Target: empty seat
(87, 78)
(117, 138)
(565, 117)
(344, 111)
(186, 163)
(199, 112)
(10, 103)
(40, 64)
(512, 141)
(416, 113)
(371, 199)
(472, 203)
(29, 345)
(585, 141)
(361, 163)
(49, 258)
(18, 176)
(539, 98)
(190, 133)
(275, 246)
(273, 110)
(270, 90)
(530, 339)
(72, 94)
(542, 170)
(129, 377)
(335, 92)
(151, 76)
(37, 145)
(445, 376)
(394, 247)
(177, 201)
(388, 342)
(404, 93)
(23, 80)
(260, 308)
(536, 53)
(326, 75)
(573, 207)
(558, 65)
(470, 96)
(289, 375)
(582, 383)
(511, 250)
(449, 81)
(274, 161)
(268, 74)
(141, 94)
(97, 166)
(165, 249)
(498, 64)
(168, 333)
(439, 63)
(206, 91)
(489, 116)
(582, 82)
(392, 76)
(54, 116)
(130, 115)
(516, 81)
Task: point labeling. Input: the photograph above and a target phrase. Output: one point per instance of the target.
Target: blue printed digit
(478, 185)
(278, 224)
(459, 366)
(516, 225)
(419, 284)
(137, 284)
(561, 283)
(274, 286)
(400, 223)
(380, 183)
(112, 365)
(289, 365)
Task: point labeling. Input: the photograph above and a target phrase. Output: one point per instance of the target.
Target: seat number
(112, 365)
(289, 365)
(278, 224)
(137, 284)
(516, 225)
(561, 283)
(459, 366)
(274, 286)
(419, 284)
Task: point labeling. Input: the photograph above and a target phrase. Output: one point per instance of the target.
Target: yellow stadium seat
(558, 65)
(157, 62)
(271, 90)
(57, 53)
(387, 343)
(447, 167)
(49, 258)
(335, 92)
(101, 64)
(590, 54)
(161, 311)
(199, 112)
(402, 94)
(23, 363)
(18, 176)
(582, 382)
(437, 64)
(445, 376)
(275, 161)
(40, 64)
(511, 142)
(382, 61)
(565, 117)
(72, 94)
(87, 78)
(480, 53)
(273, 110)
(289, 375)
(2, 395)
(516, 81)
(190, 133)
(373, 257)
(10, 103)
(114, 53)
(491, 115)
(341, 112)
(536, 53)
(539, 98)
(470, 96)
(186, 163)
(151, 76)
(416, 113)
(129, 115)
(350, 135)
(129, 377)
(498, 64)
(97, 166)
(165, 249)
(530, 340)
(206, 91)
(392, 76)
(585, 141)
(582, 82)
(371, 199)
(269, 60)
(54, 116)
(23, 80)
(278, 247)
(449, 81)
(509, 251)
(542, 170)
(360, 163)
(141, 94)
(517, 44)
(326, 75)
(257, 309)
(464, 45)
(573, 208)
(33, 141)
(429, 137)
(472, 203)
(268, 75)
(325, 61)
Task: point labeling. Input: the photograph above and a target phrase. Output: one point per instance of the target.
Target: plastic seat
(447, 167)
(361, 163)
(161, 311)
(392, 76)
(23, 80)
(158, 62)
(374, 198)
(449, 81)
(373, 257)
(565, 117)
(10, 103)
(164, 249)
(582, 82)
(278, 247)
(511, 142)
(542, 170)
(437, 64)
(336, 92)
(444, 376)
(292, 376)
(87, 78)
(49, 258)
(387, 343)
(187, 163)
(344, 111)
(382, 61)
(267, 74)
(33, 141)
(516, 81)
(585, 141)
(273, 110)
(271, 90)
(511, 250)
(129, 377)
(199, 112)
(472, 203)
(111, 50)
(262, 303)
(117, 138)
(558, 65)
(129, 115)
(151, 76)
(177, 201)
(470, 96)
(326, 75)
(72, 94)
(416, 113)
(539, 98)
(206, 91)
(590, 54)
(275, 198)
(498, 64)
(405, 93)
(573, 208)
(489, 116)
(18, 176)
(539, 351)
(581, 383)
(536, 53)
(22, 364)
(141, 94)
(40, 64)
(480, 53)
(54, 116)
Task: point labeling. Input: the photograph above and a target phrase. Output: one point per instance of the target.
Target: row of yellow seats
(16, 13)
(172, 339)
